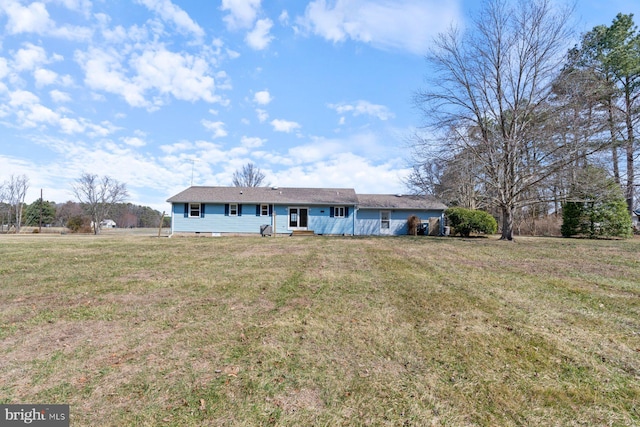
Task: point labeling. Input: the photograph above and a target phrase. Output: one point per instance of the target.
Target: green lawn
(301, 331)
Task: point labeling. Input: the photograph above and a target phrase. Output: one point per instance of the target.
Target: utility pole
(40, 222)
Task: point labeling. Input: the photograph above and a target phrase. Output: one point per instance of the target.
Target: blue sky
(160, 94)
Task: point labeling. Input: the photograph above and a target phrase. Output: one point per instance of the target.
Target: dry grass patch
(134, 330)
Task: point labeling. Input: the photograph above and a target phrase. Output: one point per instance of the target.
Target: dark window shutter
(202, 210)
(186, 210)
(331, 212)
(258, 207)
(239, 210)
(226, 209)
(270, 210)
(346, 211)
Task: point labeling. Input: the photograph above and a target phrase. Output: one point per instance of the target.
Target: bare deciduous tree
(98, 195)
(15, 190)
(489, 97)
(249, 176)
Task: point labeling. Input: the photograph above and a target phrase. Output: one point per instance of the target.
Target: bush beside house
(467, 221)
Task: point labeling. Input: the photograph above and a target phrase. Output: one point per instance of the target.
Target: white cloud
(242, 13)
(407, 25)
(172, 13)
(104, 71)
(177, 147)
(83, 6)
(21, 98)
(365, 176)
(156, 70)
(70, 126)
(133, 141)
(4, 68)
(284, 18)
(217, 128)
(29, 57)
(37, 114)
(363, 108)
(182, 75)
(263, 116)
(259, 38)
(59, 97)
(44, 77)
(35, 18)
(252, 142)
(284, 125)
(262, 97)
(29, 112)
(232, 54)
(316, 151)
(26, 19)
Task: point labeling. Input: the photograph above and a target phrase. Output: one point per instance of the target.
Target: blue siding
(368, 222)
(321, 222)
(364, 222)
(214, 220)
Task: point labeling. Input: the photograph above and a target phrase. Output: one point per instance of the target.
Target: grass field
(147, 331)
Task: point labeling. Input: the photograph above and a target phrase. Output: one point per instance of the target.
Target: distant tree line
(51, 214)
(99, 199)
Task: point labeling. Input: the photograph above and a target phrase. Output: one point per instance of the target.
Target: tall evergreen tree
(596, 207)
(613, 52)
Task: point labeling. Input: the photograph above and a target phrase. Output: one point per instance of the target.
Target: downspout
(355, 215)
(172, 219)
(273, 221)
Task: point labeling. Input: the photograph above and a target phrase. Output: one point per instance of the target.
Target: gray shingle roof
(390, 201)
(310, 196)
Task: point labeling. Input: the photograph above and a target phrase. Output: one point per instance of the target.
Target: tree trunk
(614, 144)
(630, 177)
(629, 149)
(507, 223)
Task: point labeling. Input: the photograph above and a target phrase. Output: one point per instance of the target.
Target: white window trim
(233, 211)
(336, 209)
(264, 210)
(385, 221)
(199, 210)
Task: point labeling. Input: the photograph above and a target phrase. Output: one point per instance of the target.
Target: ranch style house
(288, 210)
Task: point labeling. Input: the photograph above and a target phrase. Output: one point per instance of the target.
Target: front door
(298, 218)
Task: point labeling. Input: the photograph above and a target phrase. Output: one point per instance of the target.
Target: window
(264, 210)
(338, 212)
(194, 210)
(232, 209)
(385, 220)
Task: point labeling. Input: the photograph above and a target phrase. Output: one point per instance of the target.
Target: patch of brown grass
(135, 330)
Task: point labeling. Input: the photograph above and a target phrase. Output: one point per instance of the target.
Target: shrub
(598, 210)
(75, 223)
(413, 222)
(467, 221)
